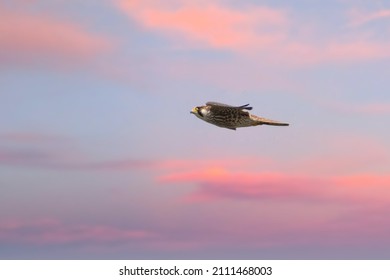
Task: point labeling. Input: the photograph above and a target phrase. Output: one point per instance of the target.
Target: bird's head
(199, 111)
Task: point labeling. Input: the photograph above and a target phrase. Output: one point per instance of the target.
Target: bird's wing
(217, 104)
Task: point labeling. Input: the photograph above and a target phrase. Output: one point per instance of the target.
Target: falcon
(231, 117)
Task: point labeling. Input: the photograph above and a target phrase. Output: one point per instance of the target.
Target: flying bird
(230, 117)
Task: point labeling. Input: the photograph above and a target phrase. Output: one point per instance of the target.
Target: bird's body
(231, 117)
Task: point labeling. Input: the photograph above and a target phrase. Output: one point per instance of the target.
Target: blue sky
(100, 157)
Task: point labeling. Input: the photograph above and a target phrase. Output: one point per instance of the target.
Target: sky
(100, 157)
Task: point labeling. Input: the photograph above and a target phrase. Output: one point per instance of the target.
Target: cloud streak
(255, 31)
(208, 24)
(221, 184)
(30, 138)
(31, 38)
(35, 150)
(48, 231)
(359, 18)
(375, 109)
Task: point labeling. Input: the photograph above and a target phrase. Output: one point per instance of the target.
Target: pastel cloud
(30, 137)
(359, 18)
(211, 25)
(27, 38)
(258, 31)
(286, 208)
(21, 149)
(370, 108)
(334, 51)
(216, 184)
(338, 156)
(38, 157)
(48, 231)
(171, 164)
(374, 108)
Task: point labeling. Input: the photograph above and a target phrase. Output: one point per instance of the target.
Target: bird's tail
(260, 121)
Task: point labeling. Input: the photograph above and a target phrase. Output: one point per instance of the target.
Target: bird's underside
(231, 117)
(245, 119)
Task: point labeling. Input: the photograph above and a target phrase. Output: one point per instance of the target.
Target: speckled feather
(231, 117)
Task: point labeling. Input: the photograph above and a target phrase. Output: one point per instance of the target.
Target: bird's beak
(193, 111)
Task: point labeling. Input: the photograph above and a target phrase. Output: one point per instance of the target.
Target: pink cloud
(218, 183)
(42, 150)
(359, 18)
(27, 38)
(370, 108)
(36, 150)
(306, 53)
(210, 25)
(260, 32)
(338, 156)
(364, 181)
(171, 164)
(214, 184)
(47, 231)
